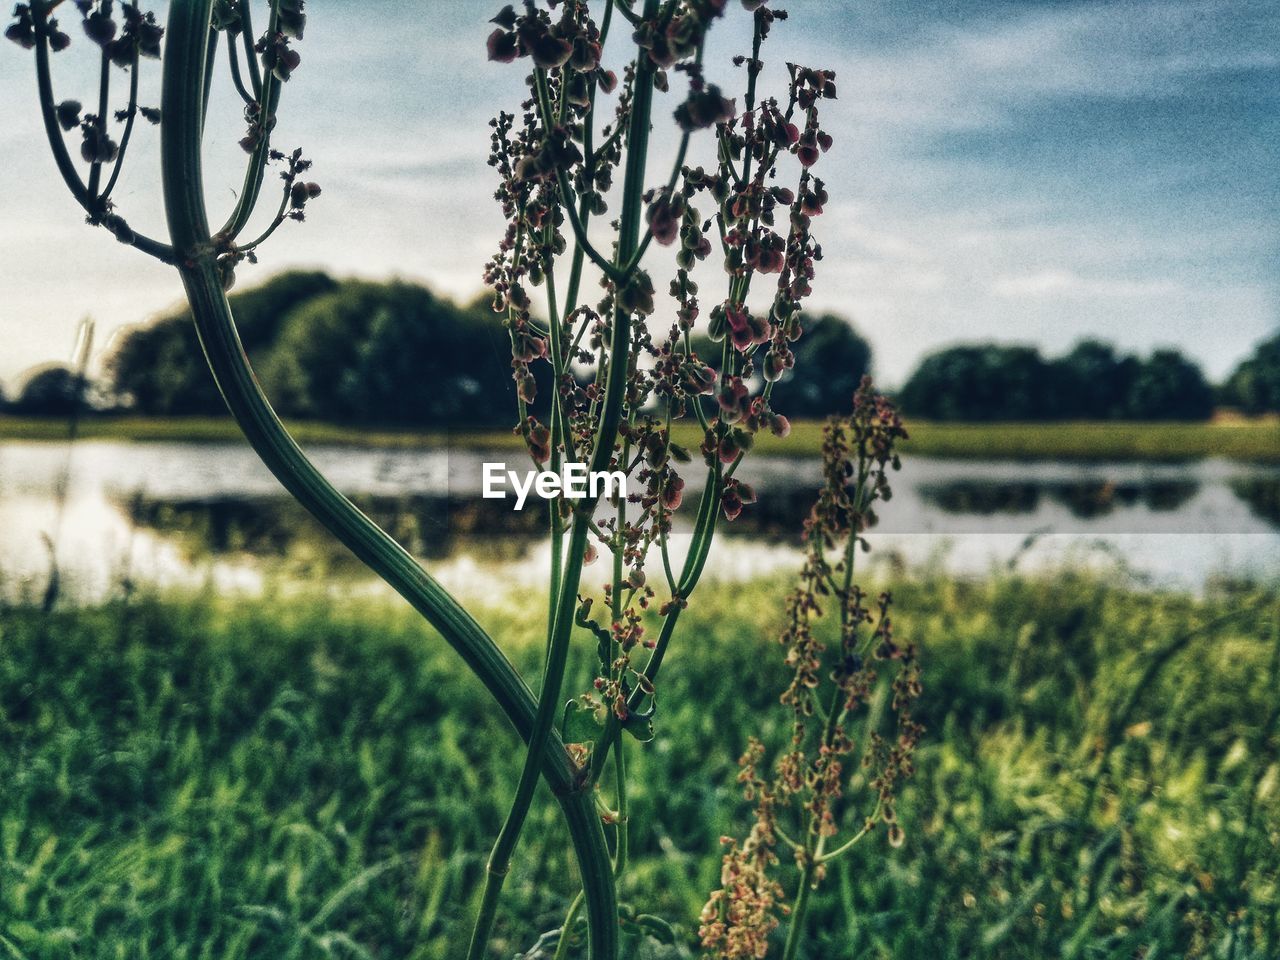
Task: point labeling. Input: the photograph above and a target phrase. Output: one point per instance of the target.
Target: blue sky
(1003, 169)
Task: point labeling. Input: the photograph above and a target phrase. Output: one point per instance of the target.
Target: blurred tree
(981, 382)
(1092, 382)
(51, 391)
(1254, 386)
(351, 351)
(159, 369)
(391, 353)
(1170, 387)
(986, 382)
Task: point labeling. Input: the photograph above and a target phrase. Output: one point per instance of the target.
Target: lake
(173, 514)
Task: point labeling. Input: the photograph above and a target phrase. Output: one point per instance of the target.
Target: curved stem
(562, 945)
(48, 111)
(62, 158)
(104, 91)
(237, 78)
(268, 102)
(188, 32)
(131, 112)
(210, 61)
(695, 562)
(246, 38)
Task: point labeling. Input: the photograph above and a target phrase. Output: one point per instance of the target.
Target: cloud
(1068, 283)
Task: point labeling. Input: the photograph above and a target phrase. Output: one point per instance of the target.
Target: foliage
(351, 351)
(623, 374)
(552, 173)
(51, 391)
(160, 369)
(390, 353)
(302, 776)
(989, 382)
(1254, 386)
(344, 351)
(1170, 387)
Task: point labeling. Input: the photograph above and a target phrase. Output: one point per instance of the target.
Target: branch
(58, 145)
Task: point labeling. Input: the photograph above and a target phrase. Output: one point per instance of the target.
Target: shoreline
(1256, 440)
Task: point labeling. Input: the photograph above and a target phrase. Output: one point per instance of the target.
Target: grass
(302, 777)
(1252, 440)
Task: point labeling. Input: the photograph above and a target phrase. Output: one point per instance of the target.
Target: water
(185, 514)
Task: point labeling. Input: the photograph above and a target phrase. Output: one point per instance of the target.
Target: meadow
(310, 776)
(1254, 439)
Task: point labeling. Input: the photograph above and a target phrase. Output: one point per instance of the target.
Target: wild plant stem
(562, 945)
(188, 32)
(620, 851)
(58, 144)
(695, 561)
(268, 103)
(237, 77)
(499, 863)
(246, 37)
(44, 82)
(814, 841)
(104, 91)
(131, 114)
(796, 931)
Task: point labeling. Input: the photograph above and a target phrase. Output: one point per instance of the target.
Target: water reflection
(175, 513)
(1085, 499)
(1262, 494)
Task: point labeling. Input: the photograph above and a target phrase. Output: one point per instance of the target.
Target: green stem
(813, 841)
(796, 932)
(48, 111)
(250, 55)
(268, 102)
(620, 851)
(562, 946)
(104, 90)
(188, 31)
(132, 114)
(695, 562)
(237, 77)
(58, 144)
(602, 453)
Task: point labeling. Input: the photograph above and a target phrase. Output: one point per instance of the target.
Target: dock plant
(837, 702)
(585, 212)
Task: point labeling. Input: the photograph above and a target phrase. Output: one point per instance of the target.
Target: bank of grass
(312, 778)
(1256, 440)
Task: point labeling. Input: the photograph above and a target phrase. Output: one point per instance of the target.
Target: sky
(1013, 170)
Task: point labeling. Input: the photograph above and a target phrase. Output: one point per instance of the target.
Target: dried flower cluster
(556, 171)
(830, 687)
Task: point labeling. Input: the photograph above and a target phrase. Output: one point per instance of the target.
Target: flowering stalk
(798, 804)
(555, 175)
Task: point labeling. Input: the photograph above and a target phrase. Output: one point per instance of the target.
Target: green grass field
(1253, 440)
(302, 777)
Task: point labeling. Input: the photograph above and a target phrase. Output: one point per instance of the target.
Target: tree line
(393, 353)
